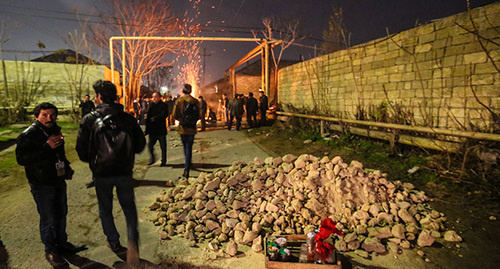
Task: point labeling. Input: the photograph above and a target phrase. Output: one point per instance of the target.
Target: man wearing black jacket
(156, 128)
(40, 149)
(118, 175)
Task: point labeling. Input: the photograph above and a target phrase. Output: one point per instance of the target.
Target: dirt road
(19, 219)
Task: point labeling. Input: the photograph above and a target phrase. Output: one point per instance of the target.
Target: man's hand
(55, 141)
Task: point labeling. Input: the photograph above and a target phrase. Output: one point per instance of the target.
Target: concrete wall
(425, 76)
(58, 80)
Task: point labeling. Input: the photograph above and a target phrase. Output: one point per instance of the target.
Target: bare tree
(160, 77)
(333, 35)
(145, 18)
(286, 32)
(77, 73)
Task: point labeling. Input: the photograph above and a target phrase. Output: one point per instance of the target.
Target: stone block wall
(428, 76)
(58, 80)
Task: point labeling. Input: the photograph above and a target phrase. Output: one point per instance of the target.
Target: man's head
(105, 91)
(187, 89)
(156, 97)
(46, 114)
(261, 92)
(250, 94)
(87, 97)
(200, 97)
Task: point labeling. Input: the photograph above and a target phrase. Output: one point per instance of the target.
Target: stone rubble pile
(291, 195)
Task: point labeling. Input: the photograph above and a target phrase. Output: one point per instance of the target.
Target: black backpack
(190, 116)
(113, 146)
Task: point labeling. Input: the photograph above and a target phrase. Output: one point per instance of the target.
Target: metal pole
(266, 77)
(124, 92)
(112, 60)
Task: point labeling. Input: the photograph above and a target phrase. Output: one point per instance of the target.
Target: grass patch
(12, 174)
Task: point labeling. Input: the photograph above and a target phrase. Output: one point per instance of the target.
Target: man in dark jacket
(203, 113)
(236, 109)
(156, 128)
(118, 175)
(40, 149)
(87, 106)
(263, 107)
(251, 106)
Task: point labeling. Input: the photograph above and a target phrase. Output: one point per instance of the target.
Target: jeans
(125, 192)
(52, 205)
(163, 147)
(187, 142)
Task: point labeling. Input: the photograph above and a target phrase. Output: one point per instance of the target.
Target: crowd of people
(108, 139)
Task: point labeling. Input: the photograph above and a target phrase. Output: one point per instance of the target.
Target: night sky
(26, 22)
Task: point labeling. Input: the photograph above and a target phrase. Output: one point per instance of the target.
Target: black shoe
(116, 248)
(70, 248)
(163, 164)
(185, 175)
(151, 163)
(90, 184)
(55, 259)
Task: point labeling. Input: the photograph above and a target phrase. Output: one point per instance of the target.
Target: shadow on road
(4, 256)
(197, 166)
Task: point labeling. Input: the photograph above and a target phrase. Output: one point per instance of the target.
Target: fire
(190, 70)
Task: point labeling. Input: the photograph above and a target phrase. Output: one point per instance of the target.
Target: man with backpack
(187, 112)
(108, 140)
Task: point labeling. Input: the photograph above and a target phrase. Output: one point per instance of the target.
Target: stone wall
(58, 80)
(428, 75)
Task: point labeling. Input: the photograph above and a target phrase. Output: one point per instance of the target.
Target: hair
(187, 89)
(43, 106)
(250, 94)
(106, 89)
(200, 97)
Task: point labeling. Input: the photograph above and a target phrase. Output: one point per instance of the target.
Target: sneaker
(55, 259)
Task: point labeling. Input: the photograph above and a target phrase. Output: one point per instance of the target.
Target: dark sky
(31, 21)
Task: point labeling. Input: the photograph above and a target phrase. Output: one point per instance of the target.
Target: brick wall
(58, 79)
(427, 75)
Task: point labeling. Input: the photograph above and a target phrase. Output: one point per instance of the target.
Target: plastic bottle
(304, 253)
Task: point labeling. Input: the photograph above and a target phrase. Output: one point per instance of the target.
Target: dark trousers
(125, 192)
(262, 117)
(187, 142)
(163, 146)
(252, 118)
(203, 121)
(238, 122)
(52, 205)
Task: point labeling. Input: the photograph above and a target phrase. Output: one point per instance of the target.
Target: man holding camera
(40, 149)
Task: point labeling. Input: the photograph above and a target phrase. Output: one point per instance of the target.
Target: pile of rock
(290, 195)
